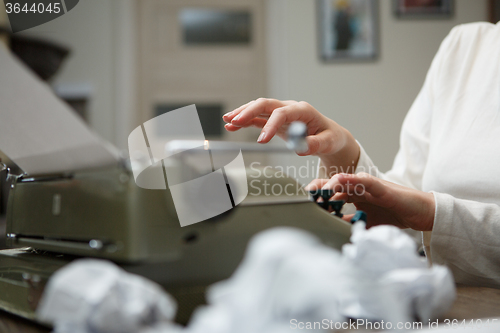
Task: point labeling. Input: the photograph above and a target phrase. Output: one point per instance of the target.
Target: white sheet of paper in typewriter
(40, 132)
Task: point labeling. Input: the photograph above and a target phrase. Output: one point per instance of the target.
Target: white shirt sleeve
(465, 233)
(409, 165)
(465, 238)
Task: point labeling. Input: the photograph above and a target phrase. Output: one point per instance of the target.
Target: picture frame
(494, 11)
(348, 30)
(212, 26)
(423, 9)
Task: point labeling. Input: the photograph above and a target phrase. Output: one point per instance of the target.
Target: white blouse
(450, 145)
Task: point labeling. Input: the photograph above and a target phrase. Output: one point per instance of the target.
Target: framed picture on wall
(204, 26)
(423, 8)
(348, 29)
(494, 11)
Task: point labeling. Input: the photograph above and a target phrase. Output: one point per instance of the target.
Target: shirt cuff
(442, 225)
(427, 235)
(426, 240)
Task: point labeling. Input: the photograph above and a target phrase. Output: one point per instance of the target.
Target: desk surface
(471, 302)
(475, 302)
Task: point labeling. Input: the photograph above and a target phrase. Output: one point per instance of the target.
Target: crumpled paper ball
(92, 295)
(287, 278)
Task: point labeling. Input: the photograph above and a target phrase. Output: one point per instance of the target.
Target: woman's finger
(348, 218)
(374, 186)
(318, 143)
(281, 116)
(257, 122)
(230, 115)
(334, 184)
(259, 107)
(232, 128)
(341, 196)
(349, 191)
(316, 184)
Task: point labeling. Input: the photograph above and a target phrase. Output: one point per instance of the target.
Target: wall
(370, 99)
(102, 63)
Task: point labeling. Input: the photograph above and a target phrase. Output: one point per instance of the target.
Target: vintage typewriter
(98, 210)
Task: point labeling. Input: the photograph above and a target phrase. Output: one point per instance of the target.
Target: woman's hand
(384, 202)
(325, 138)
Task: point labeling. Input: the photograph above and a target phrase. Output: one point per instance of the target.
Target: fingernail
(227, 114)
(237, 117)
(262, 136)
(304, 153)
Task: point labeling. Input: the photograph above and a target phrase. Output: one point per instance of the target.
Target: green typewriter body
(52, 220)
